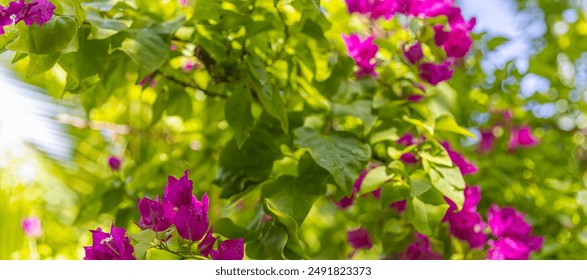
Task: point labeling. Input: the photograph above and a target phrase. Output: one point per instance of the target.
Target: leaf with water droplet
(341, 153)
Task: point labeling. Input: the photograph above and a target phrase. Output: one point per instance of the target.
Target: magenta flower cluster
(363, 53)
(420, 249)
(178, 209)
(109, 246)
(31, 226)
(467, 224)
(513, 234)
(36, 11)
(520, 136)
(514, 239)
(359, 238)
(454, 39)
(409, 140)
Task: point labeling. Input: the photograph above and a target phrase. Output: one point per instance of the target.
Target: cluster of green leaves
(273, 125)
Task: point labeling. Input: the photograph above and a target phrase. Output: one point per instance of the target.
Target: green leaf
(435, 154)
(270, 246)
(304, 54)
(94, 97)
(289, 199)
(360, 109)
(496, 42)
(274, 105)
(89, 60)
(105, 28)
(112, 198)
(145, 236)
(53, 36)
(169, 27)
(156, 254)
(10, 34)
(146, 49)
(226, 227)
(241, 168)
(447, 123)
(424, 216)
(314, 30)
(179, 103)
(293, 243)
(374, 179)
(427, 126)
(392, 192)
(159, 107)
(141, 250)
(420, 182)
(258, 69)
(448, 181)
(73, 8)
(41, 63)
(341, 153)
(294, 196)
(237, 111)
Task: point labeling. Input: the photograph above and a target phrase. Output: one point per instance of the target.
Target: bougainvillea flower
(514, 234)
(183, 209)
(207, 243)
(359, 238)
(472, 198)
(114, 163)
(507, 249)
(347, 201)
(414, 53)
(486, 142)
(467, 224)
(415, 97)
(424, 8)
(440, 36)
(363, 53)
(233, 249)
(464, 166)
(191, 221)
(39, 12)
(188, 66)
(150, 80)
(408, 158)
(435, 73)
(522, 137)
(179, 191)
(457, 43)
(36, 11)
(456, 20)
(373, 8)
(408, 140)
(358, 6)
(152, 215)
(109, 246)
(420, 249)
(32, 227)
(399, 206)
(507, 115)
(11, 14)
(507, 222)
(383, 8)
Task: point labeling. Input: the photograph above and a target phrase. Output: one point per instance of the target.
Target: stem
(190, 85)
